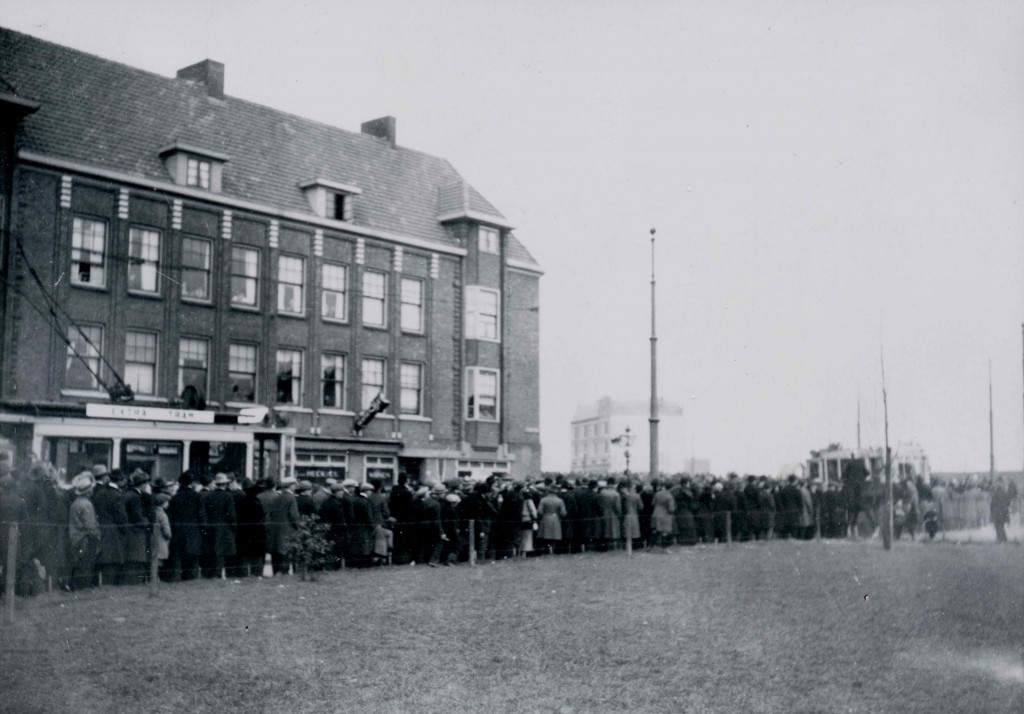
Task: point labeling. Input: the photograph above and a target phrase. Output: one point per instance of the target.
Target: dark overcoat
(137, 543)
(221, 523)
(188, 519)
(282, 521)
(251, 533)
(108, 502)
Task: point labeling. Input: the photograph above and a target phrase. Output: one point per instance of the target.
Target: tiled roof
(116, 117)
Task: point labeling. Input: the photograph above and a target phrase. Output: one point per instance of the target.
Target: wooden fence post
(728, 529)
(472, 542)
(10, 571)
(153, 562)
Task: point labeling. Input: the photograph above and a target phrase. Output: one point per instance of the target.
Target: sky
(835, 186)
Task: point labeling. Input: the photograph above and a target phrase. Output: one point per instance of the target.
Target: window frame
(139, 263)
(295, 380)
(154, 365)
(283, 284)
(243, 276)
(255, 373)
(189, 269)
(364, 402)
(95, 360)
(419, 306)
(404, 388)
(488, 240)
(197, 180)
(473, 324)
(472, 404)
(76, 222)
(343, 293)
(337, 384)
(383, 298)
(206, 366)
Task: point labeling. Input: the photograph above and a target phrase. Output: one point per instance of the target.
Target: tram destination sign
(142, 413)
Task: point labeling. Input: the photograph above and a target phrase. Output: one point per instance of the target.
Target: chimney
(207, 72)
(383, 128)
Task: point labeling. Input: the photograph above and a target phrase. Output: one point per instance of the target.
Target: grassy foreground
(785, 627)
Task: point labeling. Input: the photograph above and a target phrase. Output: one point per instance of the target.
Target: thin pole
(991, 434)
(654, 376)
(11, 571)
(472, 542)
(887, 530)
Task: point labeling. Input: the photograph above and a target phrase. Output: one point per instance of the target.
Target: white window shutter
(346, 207)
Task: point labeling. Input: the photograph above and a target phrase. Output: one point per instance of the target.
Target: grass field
(785, 627)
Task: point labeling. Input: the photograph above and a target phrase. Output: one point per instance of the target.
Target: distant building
(599, 438)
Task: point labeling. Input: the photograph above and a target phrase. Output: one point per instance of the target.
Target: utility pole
(991, 435)
(654, 376)
(887, 526)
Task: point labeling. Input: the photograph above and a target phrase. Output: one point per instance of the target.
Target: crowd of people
(110, 528)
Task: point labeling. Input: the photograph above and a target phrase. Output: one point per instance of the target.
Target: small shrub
(309, 550)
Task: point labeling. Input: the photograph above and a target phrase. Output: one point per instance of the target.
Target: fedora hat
(82, 482)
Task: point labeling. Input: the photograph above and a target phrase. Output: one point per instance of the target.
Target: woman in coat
(550, 513)
(663, 517)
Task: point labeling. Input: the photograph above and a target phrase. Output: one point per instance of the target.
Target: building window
(196, 263)
(412, 305)
(341, 206)
(374, 301)
(373, 380)
(291, 277)
(197, 173)
(411, 397)
(245, 270)
(83, 363)
(332, 377)
(140, 362)
(88, 250)
(481, 394)
(143, 260)
(482, 308)
(335, 280)
(242, 372)
(489, 240)
(193, 364)
(289, 377)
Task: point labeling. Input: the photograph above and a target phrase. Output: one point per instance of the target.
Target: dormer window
(194, 166)
(197, 173)
(330, 199)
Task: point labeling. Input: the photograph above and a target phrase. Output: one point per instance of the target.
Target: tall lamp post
(625, 440)
(654, 376)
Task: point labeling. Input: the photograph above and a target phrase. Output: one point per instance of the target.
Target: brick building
(256, 279)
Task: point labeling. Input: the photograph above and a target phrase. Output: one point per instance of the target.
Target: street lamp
(654, 376)
(625, 440)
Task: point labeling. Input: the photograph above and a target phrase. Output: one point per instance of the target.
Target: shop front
(161, 442)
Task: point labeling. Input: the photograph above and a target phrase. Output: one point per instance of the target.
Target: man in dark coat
(108, 502)
(570, 523)
(187, 517)
(332, 514)
(478, 508)
(282, 524)
(251, 533)
(304, 499)
(136, 508)
(46, 528)
(430, 532)
(451, 536)
(363, 518)
(221, 524)
(609, 529)
(400, 505)
(999, 508)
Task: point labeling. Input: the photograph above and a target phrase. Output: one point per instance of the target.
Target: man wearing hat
(137, 507)
(332, 514)
(83, 532)
(108, 501)
(221, 522)
(187, 516)
(282, 523)
(362, 524)
(304, 498)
